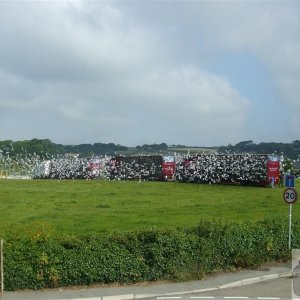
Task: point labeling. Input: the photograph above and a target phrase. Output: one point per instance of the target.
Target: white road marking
(236, 297)
(161, 298)
(268, 298)
(203, 297)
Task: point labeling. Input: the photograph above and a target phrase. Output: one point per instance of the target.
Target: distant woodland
(46, 148)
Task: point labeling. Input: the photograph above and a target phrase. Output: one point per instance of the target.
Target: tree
(243, 146)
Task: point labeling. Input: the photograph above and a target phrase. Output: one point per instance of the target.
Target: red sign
(273, 170)
(168, 166)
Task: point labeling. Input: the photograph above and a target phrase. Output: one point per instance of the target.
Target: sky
(195, 73)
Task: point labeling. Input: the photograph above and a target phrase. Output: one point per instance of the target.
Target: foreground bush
(36, 259)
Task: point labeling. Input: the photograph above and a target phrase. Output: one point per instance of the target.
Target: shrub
(36, 259)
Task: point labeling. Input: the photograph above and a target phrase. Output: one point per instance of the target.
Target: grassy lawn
(80, 207)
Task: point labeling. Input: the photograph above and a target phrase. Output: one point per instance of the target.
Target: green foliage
(290, 150)
(66, 248)
(86, 150)
(37, 259)
(46, 148)
(43, 148)
(288, 166)
(153, 147)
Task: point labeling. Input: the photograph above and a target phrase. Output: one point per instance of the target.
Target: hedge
(38, 259)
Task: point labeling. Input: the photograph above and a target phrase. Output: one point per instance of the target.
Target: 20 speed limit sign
(290, 195)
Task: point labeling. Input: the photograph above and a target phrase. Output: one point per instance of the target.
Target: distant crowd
(201, 168)
(211, 168)
(68, 168)
(145, 170)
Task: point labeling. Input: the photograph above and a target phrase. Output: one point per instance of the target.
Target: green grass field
(82, 207)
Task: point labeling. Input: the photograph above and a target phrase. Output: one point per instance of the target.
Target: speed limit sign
(290, 195)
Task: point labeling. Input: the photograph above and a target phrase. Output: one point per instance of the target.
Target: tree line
(290, 150)
(46, 148)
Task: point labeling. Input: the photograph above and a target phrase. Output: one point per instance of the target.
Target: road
(277, 289)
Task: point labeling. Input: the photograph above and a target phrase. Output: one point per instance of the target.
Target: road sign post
(290, 196)
(290, 226)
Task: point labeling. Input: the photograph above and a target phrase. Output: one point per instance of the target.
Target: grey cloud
(109, 71)
(57, 45)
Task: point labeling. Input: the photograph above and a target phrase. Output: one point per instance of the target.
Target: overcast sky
(205, 73)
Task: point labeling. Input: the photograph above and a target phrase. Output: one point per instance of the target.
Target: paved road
(223, 280)
(271, 289)
(278, 288)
